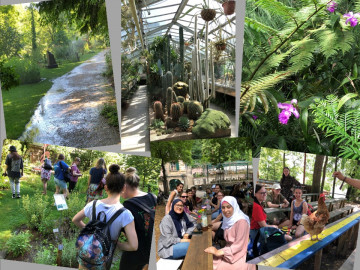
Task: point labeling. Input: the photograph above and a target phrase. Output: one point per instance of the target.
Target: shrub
(75, 203)
(69, 253)
(35, 209)
(28, 71)
(46, 255)
(18, 244)
(46, 226)
(110, 113)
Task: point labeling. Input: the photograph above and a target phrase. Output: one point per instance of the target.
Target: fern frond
(276, 8)
(302, 53)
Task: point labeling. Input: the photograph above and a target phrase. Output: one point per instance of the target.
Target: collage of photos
(158, 135)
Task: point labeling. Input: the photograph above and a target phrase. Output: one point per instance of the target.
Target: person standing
(142, 206)
(14, 170)
(45, 174)
(173, 195)
(75, 173)
(60, 167)
(95, 182)
(287, 183)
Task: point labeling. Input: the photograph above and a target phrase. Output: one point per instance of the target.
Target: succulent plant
(184, 123)
(169, 99)
(180, 99)
(176, 111)
(158, 109)
(174, 99)
(186, 104)
(170, 123)
(181, 89)
(194, 110)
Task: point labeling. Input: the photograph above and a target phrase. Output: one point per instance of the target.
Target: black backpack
(94, 243)
(138, 202)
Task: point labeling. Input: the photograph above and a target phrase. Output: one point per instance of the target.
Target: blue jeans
(215, 214)
(179, 250)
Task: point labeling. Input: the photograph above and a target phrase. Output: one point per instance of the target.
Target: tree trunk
(284, 159)
(304, 169)
(324, 174)
(319, 160)
(165, 183)
(333, 189)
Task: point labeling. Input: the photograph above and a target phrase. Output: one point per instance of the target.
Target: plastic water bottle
(204, 222)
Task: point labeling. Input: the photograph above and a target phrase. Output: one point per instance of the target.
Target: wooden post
(333, 189)
(318, 256)
(354, 237)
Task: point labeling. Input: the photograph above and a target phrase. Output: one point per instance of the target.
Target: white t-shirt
(110, 209)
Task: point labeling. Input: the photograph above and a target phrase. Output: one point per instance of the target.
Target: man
(276, 200)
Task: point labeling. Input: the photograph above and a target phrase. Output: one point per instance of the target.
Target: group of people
(238, 229)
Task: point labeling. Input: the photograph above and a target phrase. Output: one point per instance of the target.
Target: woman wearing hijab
(236, 226)
(175, 229)
(288, 182)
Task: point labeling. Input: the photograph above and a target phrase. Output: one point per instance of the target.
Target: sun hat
(276, 186)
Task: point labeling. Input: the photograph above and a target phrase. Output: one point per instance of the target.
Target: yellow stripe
(290, 252)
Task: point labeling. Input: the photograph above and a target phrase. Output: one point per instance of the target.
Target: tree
(171, 152)
(319, 160)
(148, 169)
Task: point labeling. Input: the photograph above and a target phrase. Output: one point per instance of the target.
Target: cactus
(169, 99)
(170, 123)
(194, 110)
(181, 40)
(186, 104)
(180, 99)
(181, 89)
(164, 87)
(169, 79)
(174, 97)
(210, 122)
(176, 111)
(158, 109)
(184, 123)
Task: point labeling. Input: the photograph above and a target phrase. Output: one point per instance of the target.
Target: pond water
(69, 113)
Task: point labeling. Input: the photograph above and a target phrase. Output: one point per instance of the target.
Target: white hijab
(237, 214)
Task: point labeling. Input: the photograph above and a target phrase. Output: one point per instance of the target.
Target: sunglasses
(263, 193)
(184, 196)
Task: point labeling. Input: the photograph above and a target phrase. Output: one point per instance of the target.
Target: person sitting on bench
(175, 231)
(276, 200)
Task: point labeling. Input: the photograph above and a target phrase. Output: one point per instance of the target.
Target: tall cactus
(164, 87)
(169, 79)
(169, 99)
(158, 109)
(176, 111)
(181, 39)
(168, 53)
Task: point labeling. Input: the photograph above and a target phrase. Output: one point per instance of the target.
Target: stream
(69, 113)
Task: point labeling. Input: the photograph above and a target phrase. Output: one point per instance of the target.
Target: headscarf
(236, 216)
(177, 218)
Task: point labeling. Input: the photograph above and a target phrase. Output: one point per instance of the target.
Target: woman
(174, 194)
(14, 169)
(142, 206)
(45, 174)
(175, 229)
(236, 226)
(60, 167)
(258, 217)
(191, 201)
(298, 208)
(114, 186)
(276, 200)
(95, 184)
(75, 173)
(287, 183)
(217, 209)
(214, 202)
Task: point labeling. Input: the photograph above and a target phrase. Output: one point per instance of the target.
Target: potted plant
(228, 6)
(207, 13)
(220, 43)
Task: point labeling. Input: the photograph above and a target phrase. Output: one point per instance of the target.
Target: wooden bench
(340, 213)
(313, 196)
(196, 257)
(299, 250)
(349, 263)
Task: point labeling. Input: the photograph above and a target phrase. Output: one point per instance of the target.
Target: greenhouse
(178, 70)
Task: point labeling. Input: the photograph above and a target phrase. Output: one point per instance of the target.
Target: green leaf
(304, 121)
(251, 120)
(345, 98)
(355, 72)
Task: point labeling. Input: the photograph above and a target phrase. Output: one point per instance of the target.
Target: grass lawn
(20, 102)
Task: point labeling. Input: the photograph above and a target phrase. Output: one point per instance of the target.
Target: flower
(288, 110)
(352, 18)
(332, 6)
(255, 117)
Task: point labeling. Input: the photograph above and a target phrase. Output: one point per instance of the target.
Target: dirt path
(134, 123)
(69, 113)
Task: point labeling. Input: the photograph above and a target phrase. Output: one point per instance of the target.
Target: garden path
(234, 132)
(69, 113)
(134, 123)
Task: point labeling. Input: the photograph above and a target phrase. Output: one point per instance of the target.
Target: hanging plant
(207, 13)
(229, 7)
(220, 45)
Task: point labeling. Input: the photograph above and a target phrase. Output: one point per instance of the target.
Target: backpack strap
(94, 210)
(115, 216)
(140, 204)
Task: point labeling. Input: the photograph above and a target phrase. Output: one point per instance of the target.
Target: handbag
(67, 174)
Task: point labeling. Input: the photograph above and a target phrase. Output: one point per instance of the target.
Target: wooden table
(196, 258)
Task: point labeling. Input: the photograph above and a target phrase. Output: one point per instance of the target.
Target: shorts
(44, 180)
(60, 183)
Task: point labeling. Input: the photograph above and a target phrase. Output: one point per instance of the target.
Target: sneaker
(18, 196)
(13, 196)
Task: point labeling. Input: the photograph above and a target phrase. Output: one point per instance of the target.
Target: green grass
(20, 102)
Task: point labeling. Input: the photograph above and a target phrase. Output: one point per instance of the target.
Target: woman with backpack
(175, 231)
(142, 206)
(60, 168)
(14, 170)
(95, 182)
(45, 173)
(298, 208)
(236, 226)
(90, 255)
(75, 173)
